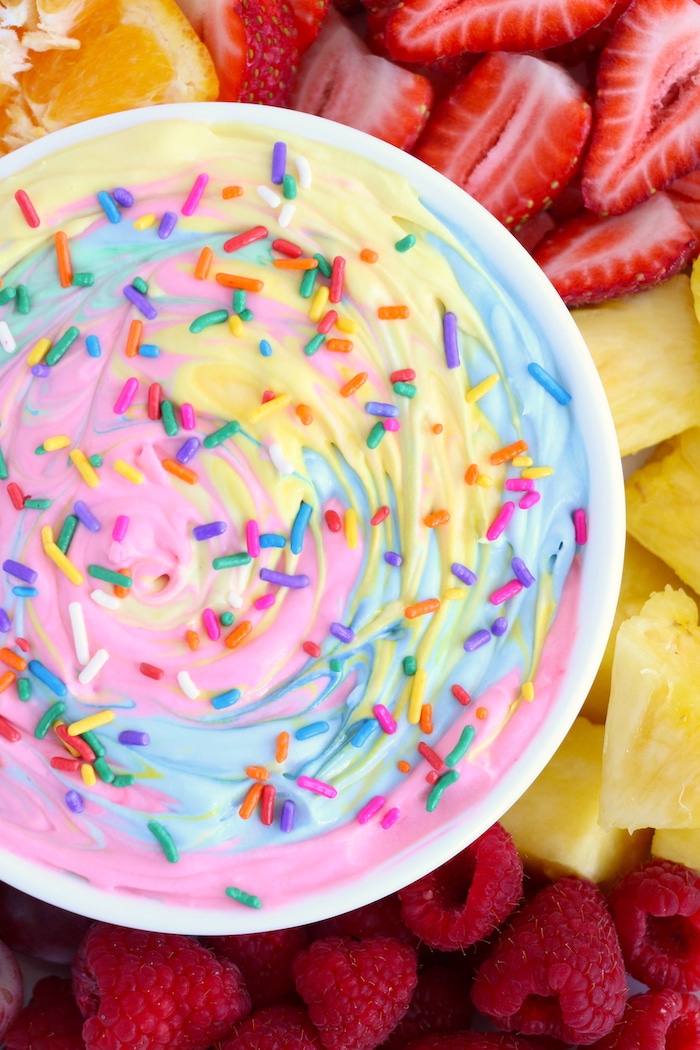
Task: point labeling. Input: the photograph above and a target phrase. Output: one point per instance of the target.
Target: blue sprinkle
(296, 540)
(549, 383)
(464, 574)
(227, 699)
(312, 729)
(49, 679)
(272, 539)
(109, 207)
(149, 350)
(476, 640)
(123, 197)
(392, 558)
(364, 732)
(379, 408)
(85, 515)
(25, 592)
(339, 630)
(93, 346)
(265, 348)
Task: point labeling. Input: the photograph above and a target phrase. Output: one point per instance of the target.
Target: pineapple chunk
(555, 823)
(681, 846)
(651, 756)
(663, 505)
(646, 348)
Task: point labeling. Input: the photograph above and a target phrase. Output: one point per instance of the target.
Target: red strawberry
(647, 118)
(685, 194)
(309, 16)
(589, 259)
(339, 78)
(510, 134)
(586, 45)
(421, 30)
(535, 230)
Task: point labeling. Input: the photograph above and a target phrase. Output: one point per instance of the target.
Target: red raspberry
(655, 1021)
(154, 991)
(379, 919)
(440, 1003)
(283, 1027)
(557, 968)
(356, 991)
(265, 960)
(50, 1021)
(471, 1041)
(467, 898)
(656, 909)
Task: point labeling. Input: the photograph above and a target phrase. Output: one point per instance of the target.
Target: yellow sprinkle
(236, 326)
(346, 324)
(318, 303)
(536, 472)
(39, 352)
(415, 704)
(528, 691)
(144, 222)
(64, 564)
(71, 750)
(485, 481)
(268, 407)
(128, 472)
(46, 536)
(84, 467)
(454, 594)
(59, 441)
(482, 388)
(100, 718)
(350, 525)
(522, 461)
(88, 774)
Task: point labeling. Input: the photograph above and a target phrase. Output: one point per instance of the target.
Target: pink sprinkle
(580, 527)
(390, 818)
(529, 500)
(187, 417)
(211, 624)
(319, 787)
(392, 424)
(501, 520)
(372, 807)
(385, 718)
(120, 527)
(508, 590)
(127, 396)
(520, 484)
(264, 601)
(252, 538)
(195, 195)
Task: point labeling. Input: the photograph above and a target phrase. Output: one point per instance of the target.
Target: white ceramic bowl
(417, 846)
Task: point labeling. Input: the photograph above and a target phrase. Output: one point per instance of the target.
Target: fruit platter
(574, 919)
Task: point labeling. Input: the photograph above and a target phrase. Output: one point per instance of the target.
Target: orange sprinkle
(472, 474)
(282, 747)
(121, 592)
(437, 428)
(256, 772)
(508, 452)
(201, 270)
(232, 280)
(250, 801)
(192, 640)
(340, 346)
(18, 663)
(403, 766)
(184, 473)
(231, 191)
(353, 384)
(305, 414)
(368, 255)
(6, 680)
(133, 338)
(65, 267)
(438, 517)
(391, 313)
(238, 634)
(482, 713)
(295, 264)
(429, 605)
(426, 718)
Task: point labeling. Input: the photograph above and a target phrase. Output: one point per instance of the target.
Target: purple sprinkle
(140, 302)
(343, 633)
(380, 408)
(520, 484)
(464, 574)
(195, 195)
(123, 197)
(187, 450)
(120, 527)
(84, 514)
(167, 225)
(499, 626)
(279, 163)
(133, 736)
(41, 371)
(392, 558)
(22, 572)
(287, 816)
(390, 818)
(74, 801)
(283, 579)
(529, 500)
(521, 572)
(476, 640)
(5, 623)
(206, 532)
(449, 334)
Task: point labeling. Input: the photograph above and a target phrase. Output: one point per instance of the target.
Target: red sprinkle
(154, 396)
(286, 248)
(9, 731)
(257, 233)
(16, 495)
(76, 742)
(333, 520)
(312, 649)
(431, 756)
(151, 672)
(403, 375)
(267, 804)
(268, 395)
(379, 516)
(337, 279)
(327, 321)
(69, 765)
(432, 777)
(23, 644)
(461, 694)
(27, 209)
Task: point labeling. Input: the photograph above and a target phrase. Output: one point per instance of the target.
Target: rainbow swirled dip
(345, 542)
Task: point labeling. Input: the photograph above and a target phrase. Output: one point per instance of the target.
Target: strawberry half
(339, 78)
(422, 30)
(589, 259)
(647, 116)
(309, 16)
(685, 194)
(510, 134)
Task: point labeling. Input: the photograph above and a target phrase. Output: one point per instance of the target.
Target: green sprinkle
(336, 665)
(313, 344)
(461, 747)
(220, 435)
(241, 896)
(230, 561)
(289, 187)
(38, 504)
(48, 718)
(140, 285)
(405, 243)
(170, 424)
(323, 264)
(95, 460)
(4, 473)
(22, 301)
(165, 839)
(63, 345)
(102, 769)
(24, 688)
(246, 315)
(119, 579)
(308, 282)
(39, 450)
(375, 435)
(123, 780)
(239, 300)
(83, 280)
(409, 665)
(6, 294)
(405, 389)
(67, 532)
(92, 740)
(208, 319)
(227, 619)
(439, 789)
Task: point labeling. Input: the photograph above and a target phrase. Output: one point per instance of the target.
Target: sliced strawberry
(339, 78)
(685, 194)
(589, 259)
(510, 134)
(309, 16)
(194, 11)
(421, 30)
(532, 232)
(647, 126)
(589, 43)
(443, 73)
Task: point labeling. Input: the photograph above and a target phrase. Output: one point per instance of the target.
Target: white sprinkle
(7, 340)
(234, 599)
(281, 465)
(269, 196)
(304, 173)
(80, 638)
(187, 685)
(107, 601)
(96, 664)
(287, 214)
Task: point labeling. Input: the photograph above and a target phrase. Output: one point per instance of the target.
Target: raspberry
(656, 909)
(50, 1021)
(380, 919)
(557, 968)
(467, 898)
(440, 1003)
(283, 1027)
(265, 960)
(154, 991)
(356, 991)
(655, 1021)
(471, 1041)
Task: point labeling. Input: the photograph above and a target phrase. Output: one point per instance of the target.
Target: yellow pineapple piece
(646, 348)
(663, 505)
(651, 756)
(555, 823)
(680, 845)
